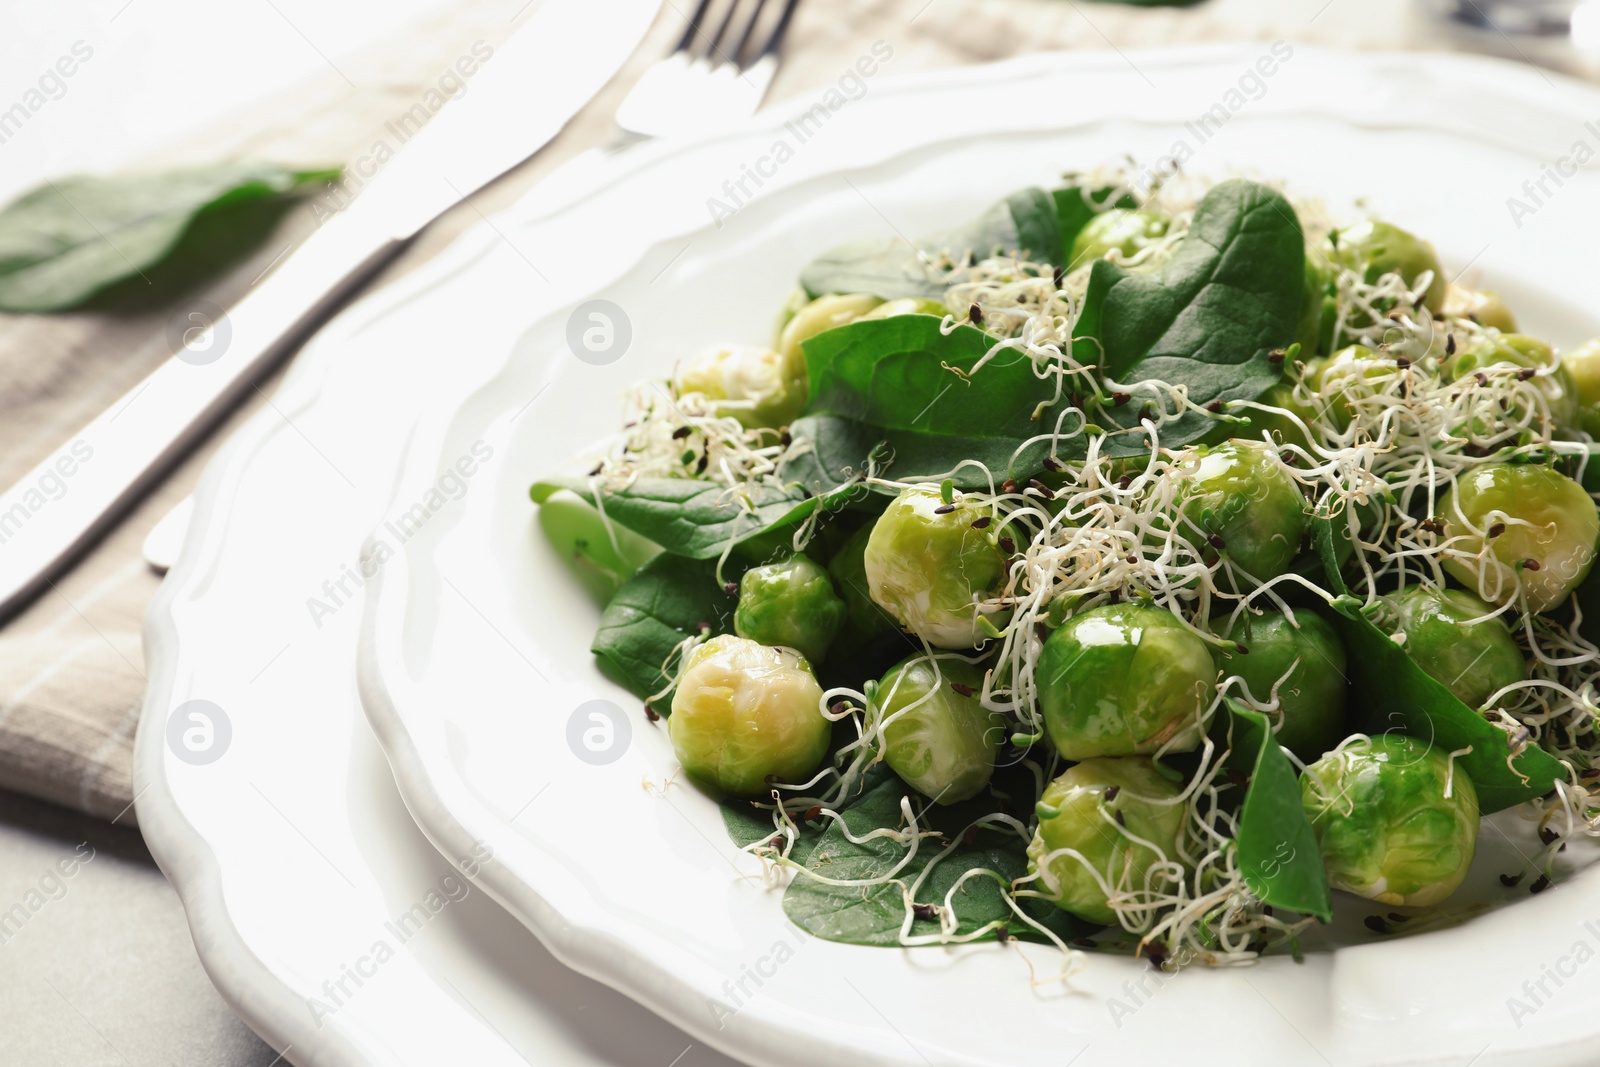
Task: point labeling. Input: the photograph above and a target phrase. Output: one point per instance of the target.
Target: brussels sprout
(797, 299)
(761, 389)
(1482, 306)
(601, 555)
(865, 619)
(1095, 809)
(1345, 377)
(1471, 660)
(823, 313)
(1284, 430)
(1311, 699)
(1393, 821)
(929, 565)
(791, 604)
(1127, 232)
(1583, 364)
(745, 712)
(908, 305)
(1379, 248)
(1542, 526)
(1242, 496)
(1123, 680)
(942, 741)
(1558, 387)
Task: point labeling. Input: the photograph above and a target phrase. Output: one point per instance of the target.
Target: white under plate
(474, 655)
(327, 921)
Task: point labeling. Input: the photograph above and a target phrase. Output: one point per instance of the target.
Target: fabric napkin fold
(71, 666)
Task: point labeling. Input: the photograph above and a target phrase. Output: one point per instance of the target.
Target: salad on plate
(1121, 570)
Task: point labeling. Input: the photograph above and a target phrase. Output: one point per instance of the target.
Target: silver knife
(522, 95)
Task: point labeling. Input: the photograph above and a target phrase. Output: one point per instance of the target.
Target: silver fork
(711, 79)
(715, 76)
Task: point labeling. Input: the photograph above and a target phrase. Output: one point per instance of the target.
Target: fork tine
(714, 54)
(691, 31)
(749, 30)
(775, 41)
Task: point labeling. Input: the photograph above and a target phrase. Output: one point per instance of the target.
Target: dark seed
(982, 522)
(1450, 345)
(1540, 884)
(1041, 631)
(1003, 934)
(681, 432)
(651, 713)
(1007, 545)
(700, 468)
(1482, 378)
(1497, 529)
(785, 440)
(730, 588)
(1215, 407)
(1547, 835)
(838, 707)
(925, 911)
(1396, 917)
(1124, 481)
(975, 315)
(1376, 924)
(813, 812)
(1509, 880)
(1526, 373)
(1156, 953)
(1531, 565)
(1112, 791)
(598, 467)
(1034, 483)
(1119, 399)
(1008, 486)
(1051, 464)
(1402, 362)
(1060, 272)
(1216, 542)
(1276, 355)
(944, 509)
(962, 688)
(1241, 649)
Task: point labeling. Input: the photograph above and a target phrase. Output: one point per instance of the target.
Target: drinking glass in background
(1562, 34)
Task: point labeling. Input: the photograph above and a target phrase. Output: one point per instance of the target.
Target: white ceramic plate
(325, 918)
(474, 658)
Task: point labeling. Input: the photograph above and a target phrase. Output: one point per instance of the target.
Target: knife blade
(523, 95)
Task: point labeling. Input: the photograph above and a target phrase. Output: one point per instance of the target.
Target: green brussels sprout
(1542, 526)
(941, 741)
(1096, 809)
(601, 555)
(1583, 364)
(1124, 680)
(1472, 661)
(1482, 306)
(1559, 389)
(909, 305)
(1345, 377)
(1242, 495)
(823, 313)
(1379, 248)
(1311, 699)
(744, 712)
(929, 565)
(797, 299)
(865, 619)
(1126, 231)
(1318, 309)
(759, 386)
(790, 604)
(1284, 430)
(1394, 823)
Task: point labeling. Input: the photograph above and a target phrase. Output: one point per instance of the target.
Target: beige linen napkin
(71, 668)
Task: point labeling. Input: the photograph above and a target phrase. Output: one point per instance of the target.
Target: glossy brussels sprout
(929, 565)
(1559, 389)
(909, 305)
(744, 712)
(602, 555)
(1127, 232)
(1345, 377)
(865, 618)
(1094, 809)
(1387, 829)
(1471, 659)
(761, 388)
(1123, 680)
(1583, 364)
(1378, 248)
(942, 741)
(1482, 306)
(797, 299)
(1310, 660)
(1542, 530)
(823, 313)
(1242, 496)
(790, 603)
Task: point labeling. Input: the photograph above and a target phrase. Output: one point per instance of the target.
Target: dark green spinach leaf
(1208, 317)
(666, 601)
(892, 385)
(71, 238)
(1278, 851)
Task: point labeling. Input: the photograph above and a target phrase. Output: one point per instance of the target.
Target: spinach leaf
(888, 385)
(1025, 221)
(1278, 850)
(73, 237)
(873, 915)
(688, 517)
(1399, 695)
(1208, 317)
(667, 600)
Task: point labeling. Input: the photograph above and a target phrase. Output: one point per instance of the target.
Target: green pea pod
(1400, 696)
(1277, 848)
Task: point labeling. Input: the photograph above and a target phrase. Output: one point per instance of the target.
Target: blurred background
(108, 975)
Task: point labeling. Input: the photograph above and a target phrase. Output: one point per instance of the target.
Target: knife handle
(61, 506)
